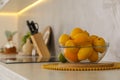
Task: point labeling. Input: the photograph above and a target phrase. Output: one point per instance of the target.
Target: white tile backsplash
(100, 17)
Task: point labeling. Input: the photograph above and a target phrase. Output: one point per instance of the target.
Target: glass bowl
(84, 54)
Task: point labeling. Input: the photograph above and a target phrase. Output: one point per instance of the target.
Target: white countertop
(33, 71)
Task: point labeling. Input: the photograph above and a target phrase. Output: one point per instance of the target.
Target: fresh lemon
(85, 52)
(86, 32)
(75, 31)
(92, 38)
(71, 47)
(63, 39)
(100, 45)
(94, 56)
(81, 38)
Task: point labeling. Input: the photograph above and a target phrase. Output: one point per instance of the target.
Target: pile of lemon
(82, 45)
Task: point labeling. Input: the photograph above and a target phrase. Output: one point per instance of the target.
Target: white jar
(27, 48)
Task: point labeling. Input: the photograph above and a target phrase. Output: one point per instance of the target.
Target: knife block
(40, 46)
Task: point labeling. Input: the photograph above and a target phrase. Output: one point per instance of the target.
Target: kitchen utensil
(46, 34)
(38, 41)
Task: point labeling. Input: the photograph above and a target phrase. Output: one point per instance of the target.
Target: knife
(35, 27)
(30, 27)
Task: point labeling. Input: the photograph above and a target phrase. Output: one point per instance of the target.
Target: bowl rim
(106, 45)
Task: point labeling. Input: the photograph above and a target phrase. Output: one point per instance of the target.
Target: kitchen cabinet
(13, 6)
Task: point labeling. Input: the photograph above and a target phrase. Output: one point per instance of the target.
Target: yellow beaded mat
(81, 66)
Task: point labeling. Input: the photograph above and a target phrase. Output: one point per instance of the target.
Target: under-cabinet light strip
(8, 14)
(29, 7)
(21, 11)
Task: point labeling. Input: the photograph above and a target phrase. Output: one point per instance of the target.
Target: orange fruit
(70, 53)
(71, 57)
(63, 39)
(94, 56)
(100, 45)
(75, 31)
(81, 38)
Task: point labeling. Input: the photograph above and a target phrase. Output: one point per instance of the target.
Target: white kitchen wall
(100, 17)
(7, 22)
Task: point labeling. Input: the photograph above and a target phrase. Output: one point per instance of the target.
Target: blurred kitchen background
(100, 17)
